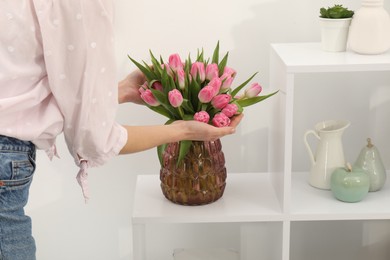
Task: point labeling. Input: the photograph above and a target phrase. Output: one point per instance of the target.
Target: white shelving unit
(248, 198)
(264, 213)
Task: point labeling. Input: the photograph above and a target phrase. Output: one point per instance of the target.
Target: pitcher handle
(311, 155)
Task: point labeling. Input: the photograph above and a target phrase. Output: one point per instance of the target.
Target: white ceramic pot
(370, 29)
(334, 34)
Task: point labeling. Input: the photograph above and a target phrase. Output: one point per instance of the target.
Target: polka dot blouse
(57, 75)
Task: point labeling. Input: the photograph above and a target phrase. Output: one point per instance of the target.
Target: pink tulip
(216, 84)
(168, 69)
(148, 97)
(221, 120)
(175, 98)
(157, 86)
(253, 90)
(143, 87)
(202, 116)
(227, 81)
(220, 101)
(229, 71)
(198, 70)
(206, 94)
(212, 71)
(230, 110)
(175, 62)
(181, 78)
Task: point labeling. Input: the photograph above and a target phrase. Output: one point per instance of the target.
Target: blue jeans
(17, 165)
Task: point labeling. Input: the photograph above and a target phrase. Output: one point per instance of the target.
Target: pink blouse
(57, 75)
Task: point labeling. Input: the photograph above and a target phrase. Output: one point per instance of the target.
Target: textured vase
(200, 178)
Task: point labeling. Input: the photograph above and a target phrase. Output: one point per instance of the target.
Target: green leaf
(250, 101)
(336, 12)
(236, 90)
(216, 54)
(222, 64)
(146, 70)
(161, 110)
(188, 117)
(194, 91)
(183, 150)
(200, 56)
(165, 103)
(187, 106)
(160, 151)
(165, 81)
(156, 65)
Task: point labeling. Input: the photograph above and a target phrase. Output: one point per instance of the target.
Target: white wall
(65, 228)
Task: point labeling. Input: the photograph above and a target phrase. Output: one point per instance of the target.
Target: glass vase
(198, 179)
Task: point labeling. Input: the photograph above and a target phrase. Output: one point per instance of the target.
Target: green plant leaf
(160, 151)
(222, 64)
(250, 101)
(165, 103)
(187, 106)
(165, 81)
(161, 110)
(194, 91)
(146, 70)
(216, 54)
(183, 150)
(156, 65)
(188, 117)
(336, 12)
(237, 89)
(200, 56)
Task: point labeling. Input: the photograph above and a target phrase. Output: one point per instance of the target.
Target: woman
(57, 76)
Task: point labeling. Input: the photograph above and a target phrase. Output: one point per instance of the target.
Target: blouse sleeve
(78, 43)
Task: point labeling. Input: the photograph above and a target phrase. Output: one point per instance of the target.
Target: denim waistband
(13, 144)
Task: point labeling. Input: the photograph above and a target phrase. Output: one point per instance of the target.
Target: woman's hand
(128, 88)
(204, 132)
(141, 138)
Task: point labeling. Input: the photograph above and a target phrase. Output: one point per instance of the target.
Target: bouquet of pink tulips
(200, 90)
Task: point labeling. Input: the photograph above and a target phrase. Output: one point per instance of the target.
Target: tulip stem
(181, 112)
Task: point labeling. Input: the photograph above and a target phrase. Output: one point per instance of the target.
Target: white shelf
(300, 202)
(248, 197)
(309, 203)
(262, 204)
(205, 254)
(309, 58)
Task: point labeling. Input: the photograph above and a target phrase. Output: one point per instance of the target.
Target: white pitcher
(329, 154)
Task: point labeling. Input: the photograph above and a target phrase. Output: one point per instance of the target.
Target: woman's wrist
(123, 95)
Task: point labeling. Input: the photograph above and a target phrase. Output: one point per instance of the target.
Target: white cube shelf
(261, 215)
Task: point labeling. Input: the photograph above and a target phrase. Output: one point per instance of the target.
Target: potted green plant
(335, 22)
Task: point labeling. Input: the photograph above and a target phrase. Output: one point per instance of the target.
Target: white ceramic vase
(334, 34)
(370, 29)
